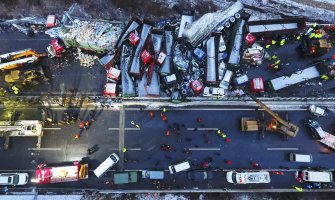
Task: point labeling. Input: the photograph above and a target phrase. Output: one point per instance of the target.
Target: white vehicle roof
(248, 177)
(317, 110)
(317, 176)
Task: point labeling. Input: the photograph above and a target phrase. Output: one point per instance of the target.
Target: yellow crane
(277, 124)
(19, 58)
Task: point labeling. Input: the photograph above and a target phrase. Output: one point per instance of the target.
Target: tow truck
(277, 124)
(59, 174)
(21, 128)
(19, 58)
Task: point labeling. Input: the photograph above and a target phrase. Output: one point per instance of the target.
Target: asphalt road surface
(143, 146)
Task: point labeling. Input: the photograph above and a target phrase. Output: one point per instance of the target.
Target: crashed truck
(59, 174)
(155, 63)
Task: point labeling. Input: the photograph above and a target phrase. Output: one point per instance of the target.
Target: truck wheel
(227, 25)
(232, 19)
(237, 15)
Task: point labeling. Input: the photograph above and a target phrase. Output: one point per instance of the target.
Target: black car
(318, 133)
(199, 175)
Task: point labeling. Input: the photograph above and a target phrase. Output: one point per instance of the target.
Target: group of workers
(84, 125)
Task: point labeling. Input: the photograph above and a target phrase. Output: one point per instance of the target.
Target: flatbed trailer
(328, 140)
(274, 27)
(75, 172)
(295, 78)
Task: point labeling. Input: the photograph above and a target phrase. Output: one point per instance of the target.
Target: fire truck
(59, 174)
(19, 58)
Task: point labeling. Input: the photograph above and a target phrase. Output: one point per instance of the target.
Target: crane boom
(288, 129)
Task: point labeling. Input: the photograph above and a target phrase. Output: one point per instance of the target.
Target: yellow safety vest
(282, 42)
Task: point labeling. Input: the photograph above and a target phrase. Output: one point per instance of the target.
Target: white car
(210, 91)
(248, 177)
(317, 110)
(14, 178)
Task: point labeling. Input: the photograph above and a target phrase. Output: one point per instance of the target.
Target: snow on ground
(160, 197)
(41, 197)
(326, 1)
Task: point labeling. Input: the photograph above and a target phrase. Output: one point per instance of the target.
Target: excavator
(19, 58)
(31, 77)
(277, 124)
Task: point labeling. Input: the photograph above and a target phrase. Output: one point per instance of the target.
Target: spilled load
(95, 36)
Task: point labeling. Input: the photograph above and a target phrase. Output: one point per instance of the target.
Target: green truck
(125, 177)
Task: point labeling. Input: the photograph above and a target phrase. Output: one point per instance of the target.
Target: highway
(143, 146)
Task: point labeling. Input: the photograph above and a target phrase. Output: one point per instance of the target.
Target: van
(294, 157)
(317, 176)
(248, 177)
(110, 161)
(182, 166)
(226, 79)
(153, 174)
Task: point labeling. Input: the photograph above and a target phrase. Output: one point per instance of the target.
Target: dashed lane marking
(204, 149)
(126, 129)
(128, 149)
(282, 149)
(203, 129)
(45, 149)
(49, 129)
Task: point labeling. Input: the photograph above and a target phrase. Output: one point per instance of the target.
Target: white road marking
(204, 149)
(126, 129)
(282, 149)
(128, 149)
(134, 149)
(45, 149)
(47, 129)
(203, 129)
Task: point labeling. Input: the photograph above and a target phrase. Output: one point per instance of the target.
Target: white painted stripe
(204, 149)
(203, 129)
(127, 129)
(282, 149)
(47, 129)
(128, 149)
(134, 149)
(45, 149)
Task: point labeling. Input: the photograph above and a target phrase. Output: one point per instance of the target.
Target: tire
(232, 19)
(237, 15)
(227, 25)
